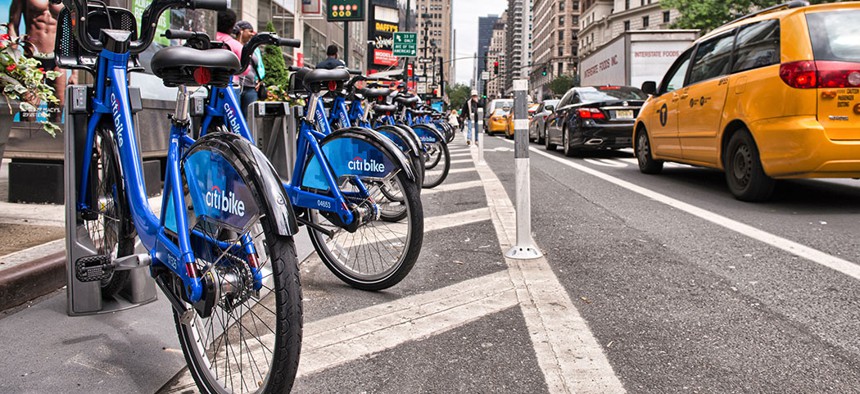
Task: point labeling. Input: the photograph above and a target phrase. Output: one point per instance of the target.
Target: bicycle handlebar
(263, 38)
(80, 8)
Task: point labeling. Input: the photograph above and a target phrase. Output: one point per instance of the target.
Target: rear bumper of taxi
(798, 147)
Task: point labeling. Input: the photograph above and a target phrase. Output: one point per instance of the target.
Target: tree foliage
(561, 84)
(276, 68)
(707, 15)
(457, 95)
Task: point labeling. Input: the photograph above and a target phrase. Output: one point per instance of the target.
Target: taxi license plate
(624, 114)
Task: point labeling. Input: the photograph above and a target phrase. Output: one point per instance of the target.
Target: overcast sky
(466, 13)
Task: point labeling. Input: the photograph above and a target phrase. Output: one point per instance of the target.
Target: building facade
(497, 53)
(485, 34)
(555, 48)
(435, 41)
(518, 42)
(603, 20)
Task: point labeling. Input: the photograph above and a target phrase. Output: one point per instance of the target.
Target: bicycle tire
(108, 225)
(438, 159)
(379, 253)
(266, 325)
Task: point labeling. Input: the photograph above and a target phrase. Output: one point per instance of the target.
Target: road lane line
(843, 266)
(343, 338)
(461, 161)
(567, 352)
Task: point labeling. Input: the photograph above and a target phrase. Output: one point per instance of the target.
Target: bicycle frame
(112, 99)
(223, 103)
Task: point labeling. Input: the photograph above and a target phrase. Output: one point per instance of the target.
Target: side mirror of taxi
(649, 87)
(550, 108)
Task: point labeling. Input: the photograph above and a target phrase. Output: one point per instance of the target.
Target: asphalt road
(689, 290)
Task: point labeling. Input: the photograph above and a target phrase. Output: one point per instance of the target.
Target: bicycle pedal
(93, 268)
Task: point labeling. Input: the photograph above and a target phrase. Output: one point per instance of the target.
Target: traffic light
(496, 67)
(543, 71)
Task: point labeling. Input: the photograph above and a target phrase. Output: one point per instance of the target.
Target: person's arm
(15, 11)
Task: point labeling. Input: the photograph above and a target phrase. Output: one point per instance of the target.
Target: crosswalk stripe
(447, 187)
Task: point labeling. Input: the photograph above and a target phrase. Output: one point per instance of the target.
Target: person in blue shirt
(331, 62)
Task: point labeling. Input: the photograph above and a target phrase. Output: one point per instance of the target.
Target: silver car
(537, 125)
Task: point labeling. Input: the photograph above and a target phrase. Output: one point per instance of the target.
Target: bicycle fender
(365, 134)
(245, 157)
(409, 139)
(427, 134)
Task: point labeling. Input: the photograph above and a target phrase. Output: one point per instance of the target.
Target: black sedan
(537, 124)
(593, 118)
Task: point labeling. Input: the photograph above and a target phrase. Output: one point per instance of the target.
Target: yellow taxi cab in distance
(498, 121)
(772, 95)
(509, 129)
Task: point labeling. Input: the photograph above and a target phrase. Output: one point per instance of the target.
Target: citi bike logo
(225, 201)
(117, 121)
(231, 118)
(359, 164)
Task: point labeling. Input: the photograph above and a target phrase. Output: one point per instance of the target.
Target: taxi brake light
(809, 74)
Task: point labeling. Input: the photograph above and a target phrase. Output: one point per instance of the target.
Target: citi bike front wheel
(373, 254)
(245, 335)
(438, 161)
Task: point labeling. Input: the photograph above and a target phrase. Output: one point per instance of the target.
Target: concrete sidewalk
(32, 248)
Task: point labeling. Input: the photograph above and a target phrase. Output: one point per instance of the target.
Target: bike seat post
(180, 115)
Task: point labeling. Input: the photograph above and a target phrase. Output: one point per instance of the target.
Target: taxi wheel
(647, 164)
(744, 174)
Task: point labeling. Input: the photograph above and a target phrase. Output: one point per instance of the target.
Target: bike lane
(680, 304)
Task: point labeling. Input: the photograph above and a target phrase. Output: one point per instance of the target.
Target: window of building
(574, 20)
(561, 6)
(665, 16)
(626, 4)
(561, 51)
(561, 21)
(645, 21)
(560, 35)
(560, 69)
(626, 25)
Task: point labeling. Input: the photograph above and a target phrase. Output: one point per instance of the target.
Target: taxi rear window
(835, 35)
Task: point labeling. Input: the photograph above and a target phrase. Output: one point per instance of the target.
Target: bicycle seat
(374, 93)
(384, 108)
(177, 65)
(318, 79)
(407, 100)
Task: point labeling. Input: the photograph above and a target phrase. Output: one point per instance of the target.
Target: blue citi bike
(352, 188)
(221, 249)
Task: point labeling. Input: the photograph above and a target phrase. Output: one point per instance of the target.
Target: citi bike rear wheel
(241, 338)
(438, 164)
(106, 220)
(377, 254)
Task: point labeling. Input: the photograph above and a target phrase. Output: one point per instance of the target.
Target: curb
(31, 280)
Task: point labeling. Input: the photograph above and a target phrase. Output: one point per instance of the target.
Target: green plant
(277, 78)
(561, 84)
(23, 79)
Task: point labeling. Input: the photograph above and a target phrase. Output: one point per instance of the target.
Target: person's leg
(469, 133)
(249, 96)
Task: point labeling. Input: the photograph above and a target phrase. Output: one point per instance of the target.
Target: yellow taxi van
(772, 95)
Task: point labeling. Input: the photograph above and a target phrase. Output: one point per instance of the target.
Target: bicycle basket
(68, 52)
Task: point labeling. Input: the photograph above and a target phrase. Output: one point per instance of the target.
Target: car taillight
(591, 113)
(820, 74)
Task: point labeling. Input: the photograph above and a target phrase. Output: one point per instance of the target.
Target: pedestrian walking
(453, 119)
(470, 115)
(251, 83)
(331, 62)
(225, 26)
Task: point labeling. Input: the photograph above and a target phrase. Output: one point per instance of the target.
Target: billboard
(383, 22)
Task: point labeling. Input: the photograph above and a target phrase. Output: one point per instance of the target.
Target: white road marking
(461, 161)
(606, 163)
(840, 265)
(339, 339)
(447, 187)
(460, 170)
(566, 350)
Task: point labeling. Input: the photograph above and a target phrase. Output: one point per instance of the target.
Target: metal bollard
(479, 131)
(525, 247)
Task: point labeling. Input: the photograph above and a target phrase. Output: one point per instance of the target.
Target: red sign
(384, 57)
(300, 59)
